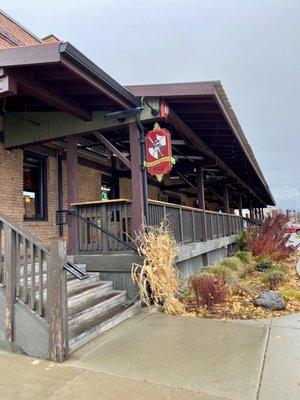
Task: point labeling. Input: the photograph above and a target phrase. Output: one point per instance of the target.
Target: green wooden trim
(49, 125)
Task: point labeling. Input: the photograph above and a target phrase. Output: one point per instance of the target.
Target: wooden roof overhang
(57, 77)
(203, 117)
(49, 91)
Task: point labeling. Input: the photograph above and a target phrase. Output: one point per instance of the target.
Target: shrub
(222, 272)
(270, 239)
(228, 275)
(274, 277)
(209, 289)
(291, 294)
(265, 264)
(244, 256)
(242, 240)
(232, 262)
(248, 269)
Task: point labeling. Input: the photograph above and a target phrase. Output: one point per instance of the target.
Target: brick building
(72, 167)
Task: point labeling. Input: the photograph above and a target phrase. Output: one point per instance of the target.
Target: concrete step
(89, 309)
(76, 284)
(83, 295)
(88, 330)
(73, 283)
(90, 292)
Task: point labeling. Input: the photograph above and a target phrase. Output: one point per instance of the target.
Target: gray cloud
(252, 46)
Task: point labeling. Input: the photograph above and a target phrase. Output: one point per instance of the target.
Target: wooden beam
(196, 142)
(94, 82)
(84, 159)
(189, 183)
(50, 126)
(112, 148)
(50, 96)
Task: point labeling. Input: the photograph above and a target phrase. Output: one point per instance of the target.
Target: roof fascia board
(70, 52)
(51, 53)
(172, 89)
(30, 55)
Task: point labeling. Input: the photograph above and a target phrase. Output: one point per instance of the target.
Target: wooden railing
(113, 216)
(188, 224)
(193, 225)
(34, 274)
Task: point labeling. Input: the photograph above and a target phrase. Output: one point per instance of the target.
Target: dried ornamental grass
(158, 277)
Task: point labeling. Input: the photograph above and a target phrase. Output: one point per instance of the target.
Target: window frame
(43, 181)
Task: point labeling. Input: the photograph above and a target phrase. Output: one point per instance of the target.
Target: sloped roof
(186, 99)
(12, 33)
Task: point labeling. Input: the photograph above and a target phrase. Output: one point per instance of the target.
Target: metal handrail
(71, 211)
(253, 221)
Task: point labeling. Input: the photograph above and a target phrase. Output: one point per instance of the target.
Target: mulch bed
(239, 305)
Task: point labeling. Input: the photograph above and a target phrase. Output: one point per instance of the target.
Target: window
(34, 187)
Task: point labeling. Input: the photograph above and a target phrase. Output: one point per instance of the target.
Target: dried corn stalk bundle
(158, 278)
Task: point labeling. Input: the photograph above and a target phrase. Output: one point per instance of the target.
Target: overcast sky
(252, 46)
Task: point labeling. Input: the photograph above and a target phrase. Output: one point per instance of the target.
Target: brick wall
(12, 34)
(11, 182)
(11, 193)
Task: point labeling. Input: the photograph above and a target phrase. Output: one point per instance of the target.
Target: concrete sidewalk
(154, 356)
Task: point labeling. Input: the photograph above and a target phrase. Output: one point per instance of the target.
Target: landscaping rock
(271, 300)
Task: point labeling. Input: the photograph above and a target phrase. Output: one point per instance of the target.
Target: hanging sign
(159, 160)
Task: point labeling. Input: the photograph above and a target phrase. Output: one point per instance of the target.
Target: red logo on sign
(159, 160)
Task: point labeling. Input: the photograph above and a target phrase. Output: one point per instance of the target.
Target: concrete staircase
(93, 307)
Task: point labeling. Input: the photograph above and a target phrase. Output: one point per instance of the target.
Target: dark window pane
(34, 187)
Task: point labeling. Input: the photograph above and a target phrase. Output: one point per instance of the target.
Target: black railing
(250, 222)
(88, 227)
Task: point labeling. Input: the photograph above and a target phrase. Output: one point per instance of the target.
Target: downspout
(143, 158)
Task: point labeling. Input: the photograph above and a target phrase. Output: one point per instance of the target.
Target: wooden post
(201, 198)
(72, 182)
(57, 302)
(240, 205)
(226, 199)
(262, 213)
(10, 282)
(251, 208)
(137, 211)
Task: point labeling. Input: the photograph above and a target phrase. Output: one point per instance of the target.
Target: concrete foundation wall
(113, 267)
(192, 258)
